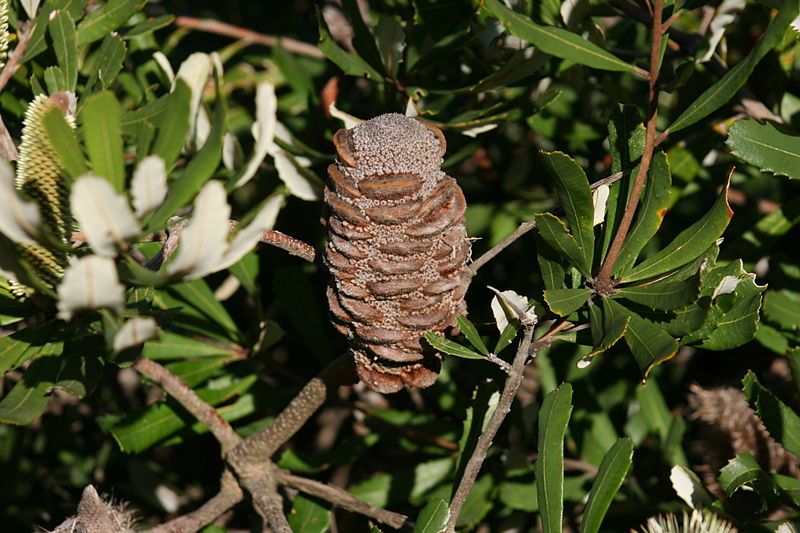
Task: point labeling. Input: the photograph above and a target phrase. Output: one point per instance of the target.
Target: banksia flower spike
(700, 521)
(3, 32)
(39, 177)
(397, 248)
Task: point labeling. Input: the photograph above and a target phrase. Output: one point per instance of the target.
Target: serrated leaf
(649, 343)
(65, 143)
(20, 221)
(433, 517)
(450, 348)
(565, 301)
(149, 184)
(102, 134)
(350, 63)
(613, 469)
(555, 234)
(553, 418)
(103, 215)
(744, 471)
(780, 420)
(105, 19)
(65, 45)
(689, 244)
(90, 283)
(767, 148)
(726, 87)
(468, 330)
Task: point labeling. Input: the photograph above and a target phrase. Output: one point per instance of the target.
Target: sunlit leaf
(451, 348)
(565, 301)
(103, 215)
(90, 283)
(135, 331)
(149, 184)
(102, 133)
(19, 220)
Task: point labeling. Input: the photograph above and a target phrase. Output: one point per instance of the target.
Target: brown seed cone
(397, 248)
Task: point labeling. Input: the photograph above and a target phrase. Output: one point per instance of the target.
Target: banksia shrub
(397, 248)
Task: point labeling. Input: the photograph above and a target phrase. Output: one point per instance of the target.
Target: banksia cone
(397, 248)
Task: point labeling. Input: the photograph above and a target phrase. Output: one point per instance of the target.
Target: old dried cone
(397, 248)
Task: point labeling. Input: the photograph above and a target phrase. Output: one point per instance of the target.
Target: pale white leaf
(134, 332)
(149, 184)
(31, 7)
(169, 500)
(599, 200)
(796, 25)
(103, 214)
(411, 109)
(726, 285)
(516, 301)
(688, 487)
(786, 527)
(295, 181)
(247, 237)
(90, 282)
(573, 11)
(19, 220)
(163, 63)
(477, 130)
(229, 143)
(203, 239)
(195, 72)
(263, 129)
(724, 17)
(349, 120)
(202, 128)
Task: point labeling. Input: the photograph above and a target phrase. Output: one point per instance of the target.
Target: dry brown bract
(397, 248)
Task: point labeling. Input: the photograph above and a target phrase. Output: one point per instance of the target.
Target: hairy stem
(603, 283)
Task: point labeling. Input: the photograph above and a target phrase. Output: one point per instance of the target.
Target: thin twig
(229, 495)
(510, 389)
(525, 227)
(343, 499)
(602, 282)
(189, 399)
(12, 65)
(8, 150)
(250, 36)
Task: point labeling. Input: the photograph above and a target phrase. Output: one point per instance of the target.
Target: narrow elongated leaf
(564, 301)
(549, 265)
(468, 330)
(726, 87)
(199, 296)
(150, 25)
(171, 117)
(573, 191)
(689, 488)
(613, 469)
(105, 19)
(451, 348)
(24, 345)
(194, 71)
(364, 41)
(65, 45)
(350, 63)
(103, 215)
(263, 130)
(433, 517)
(553, 418)
(149, 184)
(555, 234)
(780, 420)
(506, 336)
(171, 345)
(649, 343)
(247, 237)
(558, 42)
(649, 215)
(102, 135)
(689, 244)
(29, 397)
(767, 148)
(107, 62)
(664, 296)
(609, 323)
(65, 143)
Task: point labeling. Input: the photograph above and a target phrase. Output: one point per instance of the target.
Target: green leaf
(193, 372)
(153, 111)
(150, 25)
(573, 191)
(199, 170)
(649, 343)
(553, 418)
(613, 469)
(172, 345)
(28, 399)
(743, 470)
(558, 42)
(780, 420)
(726, 87)
(246, 271)
(433, 517)
(350, 63)
(199, 296)
(555, 234)
(65, 143)
(469, 331)
(62, 31)
(107, 18)
(391, 41)
(609, 323)
(783, 308)
(767, 148)
(506, 336)
(363, 40)
(24, 345)
(449, 347)
(55, 80)
(689, 244)
(649, 214)
(102, 135)
(664, 296)
(549, 265)
(565, 301)
(107, 63)
(171, 117)
(308, 515)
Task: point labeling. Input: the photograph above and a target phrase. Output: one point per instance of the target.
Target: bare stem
(342, 499)
(203, 412)
(12, 65)
(229, 495)
(475, 462)
(250, 36)
(603, 283)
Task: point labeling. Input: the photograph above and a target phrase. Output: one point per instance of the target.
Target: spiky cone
(397, 248)
(40, 178)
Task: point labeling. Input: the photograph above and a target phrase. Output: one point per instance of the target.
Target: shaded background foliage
(370, 443)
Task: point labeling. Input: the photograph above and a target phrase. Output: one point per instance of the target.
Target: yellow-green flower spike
(3, 32)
